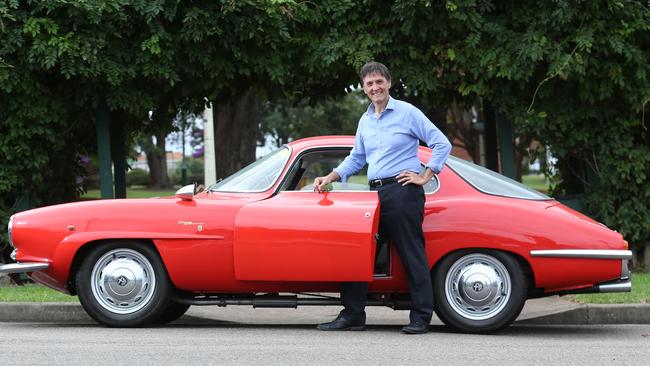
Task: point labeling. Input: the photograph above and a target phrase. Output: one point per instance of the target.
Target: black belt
(374, 183)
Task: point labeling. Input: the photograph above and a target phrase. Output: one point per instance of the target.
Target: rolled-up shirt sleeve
(426, 131)
(354, 162)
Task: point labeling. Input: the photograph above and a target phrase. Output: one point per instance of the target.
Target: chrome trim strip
(583, 253)
(9, 230)
(624, 286)
(625, 269)
(23, 267)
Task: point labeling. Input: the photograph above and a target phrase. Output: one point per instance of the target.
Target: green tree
(60, 60)
(285, 121)
(571, 74)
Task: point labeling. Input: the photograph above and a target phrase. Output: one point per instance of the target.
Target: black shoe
(341, 323)
(415, 328)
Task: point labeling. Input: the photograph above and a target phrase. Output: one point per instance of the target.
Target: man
(387, 139)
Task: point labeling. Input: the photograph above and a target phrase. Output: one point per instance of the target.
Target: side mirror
(186, 193)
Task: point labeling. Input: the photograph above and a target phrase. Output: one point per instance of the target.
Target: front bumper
(23, 267)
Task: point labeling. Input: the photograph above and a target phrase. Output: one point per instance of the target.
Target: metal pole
(208, 140)
(183, 163)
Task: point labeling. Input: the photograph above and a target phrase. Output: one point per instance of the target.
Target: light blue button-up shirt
(389, 143)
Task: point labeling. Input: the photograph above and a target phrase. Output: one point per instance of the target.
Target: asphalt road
(217, 342)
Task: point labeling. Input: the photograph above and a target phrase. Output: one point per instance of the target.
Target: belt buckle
(377, 183)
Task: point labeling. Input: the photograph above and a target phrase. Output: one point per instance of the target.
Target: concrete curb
(575, 314)
(41, 312)
(597, 314)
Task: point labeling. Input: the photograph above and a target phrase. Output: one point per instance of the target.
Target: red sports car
(262, 237)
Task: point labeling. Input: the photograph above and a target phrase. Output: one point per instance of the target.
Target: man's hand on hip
(407, 177)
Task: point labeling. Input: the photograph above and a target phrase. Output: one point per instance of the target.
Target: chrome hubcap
(478, 286)
(123, 281)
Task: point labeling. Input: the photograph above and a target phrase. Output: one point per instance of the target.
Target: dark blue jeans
(401, 216)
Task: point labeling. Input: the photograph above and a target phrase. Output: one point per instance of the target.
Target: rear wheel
(479, 291)
(123, 284)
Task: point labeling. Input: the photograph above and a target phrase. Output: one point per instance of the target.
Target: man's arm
(426, 131)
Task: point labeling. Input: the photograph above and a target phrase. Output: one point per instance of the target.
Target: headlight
(11, 242)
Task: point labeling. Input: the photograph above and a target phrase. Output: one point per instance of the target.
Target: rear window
(487, 181)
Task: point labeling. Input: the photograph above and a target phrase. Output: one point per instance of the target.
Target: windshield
(490, 182)
(258, 176)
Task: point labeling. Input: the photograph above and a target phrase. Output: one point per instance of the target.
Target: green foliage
(578, 81)
(137, 177)
(571, 74)
(287, 121)
(195, 172)
(59, 59)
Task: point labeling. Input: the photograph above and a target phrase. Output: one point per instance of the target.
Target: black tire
(493, 293)
(123, 284)
(173, 311)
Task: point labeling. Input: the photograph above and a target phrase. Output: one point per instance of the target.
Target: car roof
(340, 140)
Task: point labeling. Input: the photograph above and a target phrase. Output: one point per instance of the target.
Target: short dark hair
(374, 67)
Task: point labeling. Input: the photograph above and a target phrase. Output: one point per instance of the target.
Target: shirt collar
(389, 106)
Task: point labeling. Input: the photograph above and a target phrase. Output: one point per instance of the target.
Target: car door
(307, 236)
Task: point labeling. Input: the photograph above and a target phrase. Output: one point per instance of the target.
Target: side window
(319, 163)
(432, 186)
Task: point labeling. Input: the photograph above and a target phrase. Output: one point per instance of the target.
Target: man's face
(376, 88)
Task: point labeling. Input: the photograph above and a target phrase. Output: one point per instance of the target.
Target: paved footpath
(548, 310)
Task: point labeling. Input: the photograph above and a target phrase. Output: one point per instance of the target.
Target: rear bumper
(23, 267)
(623, 284)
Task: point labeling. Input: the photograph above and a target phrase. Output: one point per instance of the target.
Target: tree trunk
(157, 161)
(236, 132)
(461, 130)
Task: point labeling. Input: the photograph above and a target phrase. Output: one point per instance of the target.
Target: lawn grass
(537, 182)
(133, 192)
(33, 293)
(640, 293)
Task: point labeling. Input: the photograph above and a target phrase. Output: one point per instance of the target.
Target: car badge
(477, 286)
(122, 281)
(199, 226)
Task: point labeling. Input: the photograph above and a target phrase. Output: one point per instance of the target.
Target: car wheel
(173, 311)
(123, 284)
(479, 291)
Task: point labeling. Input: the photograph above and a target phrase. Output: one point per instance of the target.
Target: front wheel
(123, 284)
(479, 291)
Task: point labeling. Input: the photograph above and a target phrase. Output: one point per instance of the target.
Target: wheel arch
(525, 265)
(83, 251)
